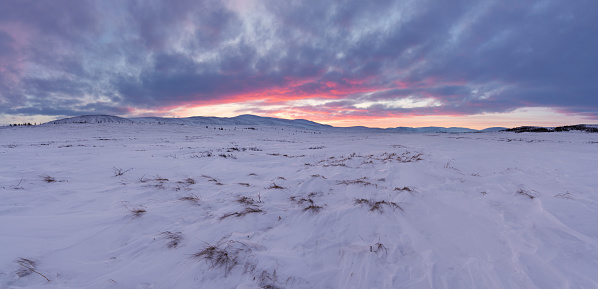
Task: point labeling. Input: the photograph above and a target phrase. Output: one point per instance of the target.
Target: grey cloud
(62, 18)
(83, 110)
(5, 44)
(473, 56)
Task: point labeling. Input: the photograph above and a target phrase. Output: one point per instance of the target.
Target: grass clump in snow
(214, 180)
(160, 179)
(174, 238)
(408, 158)
(238, 149)
(187, 181)
(28, 267)
(48, 179)
(250, 207)
(300, 201)
(191, 198)
(275, 186)
(378, 205)
(228, 156)
(223, 255)
(137, 211)
(523, 192)
(119, 172)
(362, 181)
(246, 211)
(267, 280)
(308, 202)
(18, 186)
(379, 248)
(245, 200)
(313, 208)
(218, 257)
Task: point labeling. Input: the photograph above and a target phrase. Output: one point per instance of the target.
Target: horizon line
(291, 119)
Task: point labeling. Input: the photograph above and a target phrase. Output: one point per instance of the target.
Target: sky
(381, 63)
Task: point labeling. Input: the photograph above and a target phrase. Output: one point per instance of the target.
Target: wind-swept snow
(170, 206)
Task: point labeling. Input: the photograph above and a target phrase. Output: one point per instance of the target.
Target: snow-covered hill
(241, 120)
(253, 120)
(92, 119)
(431, 129)
(494, 129)
(166, 206)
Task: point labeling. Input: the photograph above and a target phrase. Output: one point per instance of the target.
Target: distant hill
(432, 129)
(493, 129)
(92, 119)
(254, 120)
(241, 120)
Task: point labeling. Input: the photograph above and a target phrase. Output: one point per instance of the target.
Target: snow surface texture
(171, 206)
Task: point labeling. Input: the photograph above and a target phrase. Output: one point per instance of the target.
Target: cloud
(365, 58)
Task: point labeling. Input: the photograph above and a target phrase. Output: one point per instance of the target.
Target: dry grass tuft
(224, 255)
(48, 179)
(308, 202)
(174, 238)
(378, 205)
(378, 248)
(523, 192)
(267, 280)
(218, 258)
(275, 186)
(137, 211)
(300, 201)
(362, 181)
(246, 211)
(119, 172)
(191, 198)
(313, 208)
(188, 181)
(28, 267)
(245, 200)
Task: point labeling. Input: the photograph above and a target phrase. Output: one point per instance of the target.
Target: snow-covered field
(180, 206)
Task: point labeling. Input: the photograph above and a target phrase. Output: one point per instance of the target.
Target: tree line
(22, 124)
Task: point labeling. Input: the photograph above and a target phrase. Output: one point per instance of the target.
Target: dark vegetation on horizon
(23, 124)
(579, 127)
